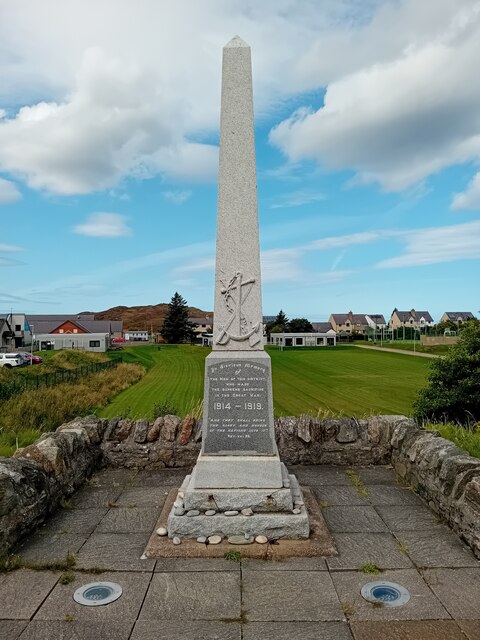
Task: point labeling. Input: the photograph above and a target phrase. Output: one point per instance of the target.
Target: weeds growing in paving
(357, 483)
(370, 568)
(233, 556)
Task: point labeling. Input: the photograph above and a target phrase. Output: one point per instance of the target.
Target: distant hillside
(149, 317)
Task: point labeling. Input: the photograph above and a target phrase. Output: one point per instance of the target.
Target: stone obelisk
(239, 467)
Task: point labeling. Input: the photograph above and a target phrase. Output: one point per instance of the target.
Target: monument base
(237, 472)
(272, 512)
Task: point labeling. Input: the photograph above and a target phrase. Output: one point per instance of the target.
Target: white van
(10, 360)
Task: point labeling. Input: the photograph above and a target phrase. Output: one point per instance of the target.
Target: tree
(453, 390)
(279, 325)
(300, 325)
(281, 319)
(176, 327)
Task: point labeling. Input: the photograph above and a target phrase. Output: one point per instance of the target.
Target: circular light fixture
(96, 594)
(389, 594)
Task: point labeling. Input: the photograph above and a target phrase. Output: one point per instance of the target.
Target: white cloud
(7, 248)
(297, 199)
(400, 119)
(104, 225)
(437, 245)
(469, 199)
(177, 197)
(8, 192)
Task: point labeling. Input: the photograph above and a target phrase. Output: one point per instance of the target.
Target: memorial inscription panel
(238, 420)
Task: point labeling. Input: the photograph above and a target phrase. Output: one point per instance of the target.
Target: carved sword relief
(235, 292)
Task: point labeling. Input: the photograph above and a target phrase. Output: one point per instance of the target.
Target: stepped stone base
(272, 512)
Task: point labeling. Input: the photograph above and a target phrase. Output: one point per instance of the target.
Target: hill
(149, 317)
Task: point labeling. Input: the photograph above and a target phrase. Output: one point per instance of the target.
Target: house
(15, 331)
(84, 341)
(317, 339)
(201, 326)
(376, 321)
(349, 323)
(414, 319)
(136, 336)
(457, 316)
(47, 323)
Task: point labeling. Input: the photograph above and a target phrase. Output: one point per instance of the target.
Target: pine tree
(176, 327)
(281, 319)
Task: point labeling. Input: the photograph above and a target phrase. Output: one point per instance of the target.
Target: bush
(453, 391)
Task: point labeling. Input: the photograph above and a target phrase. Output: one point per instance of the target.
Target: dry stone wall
(35, 480)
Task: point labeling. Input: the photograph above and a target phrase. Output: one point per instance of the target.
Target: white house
(136, 336)
(323, 339)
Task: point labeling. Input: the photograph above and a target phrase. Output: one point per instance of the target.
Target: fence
(24, 383)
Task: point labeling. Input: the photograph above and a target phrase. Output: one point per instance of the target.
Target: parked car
(29, 358)
(117, 340)
(9, 360)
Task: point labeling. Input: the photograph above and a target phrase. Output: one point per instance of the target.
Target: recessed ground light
(387, 593)
(96, 594)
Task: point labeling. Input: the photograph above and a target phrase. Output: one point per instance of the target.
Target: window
(60, 331)
(94, 343)
(18, 327)
(75, 331)
(299, 341)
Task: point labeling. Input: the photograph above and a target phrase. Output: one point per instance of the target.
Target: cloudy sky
(368, 152)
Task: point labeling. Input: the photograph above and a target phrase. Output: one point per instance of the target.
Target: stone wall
(33, 482)
(444, 475)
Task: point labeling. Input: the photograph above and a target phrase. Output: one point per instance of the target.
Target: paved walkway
(109, 523)
(404, 351)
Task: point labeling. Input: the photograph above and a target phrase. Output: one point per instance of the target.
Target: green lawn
(409, 345)
(338, 380)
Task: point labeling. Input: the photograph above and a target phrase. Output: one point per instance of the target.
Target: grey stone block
(423, 605)
(119, 552)
(407, 630)
(377, 475)
(408, 518)
(354, 519)
(311, 596)
(113, 478)
(193, 596)
(186, 630)
(296, 631)
(23, 591)
(457, 589)
(75, 521)
(225, 499)
(77, 630)
(471, 629)
(233, 472)
(357, 549)
(160, 478)
(437, 547)
(94, 498)
(60, 602)
(320, 475)
(128, 520)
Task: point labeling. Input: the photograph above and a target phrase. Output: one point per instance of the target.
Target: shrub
(453, 391)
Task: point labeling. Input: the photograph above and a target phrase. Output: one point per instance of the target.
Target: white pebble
(178, 503)
(176, 540)
(210, 512)
(231, 513)
(215, 539)
(192, 513)
(261, 539)
(202, 539)
(297, 511)
(247, 512)
(161, 531)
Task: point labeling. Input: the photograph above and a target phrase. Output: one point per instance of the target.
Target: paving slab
(23, 591)
(290, 596)
(423, 605)
(354, 519)
(119, 552)
(376, 475)
(471, 628)
(50, 547)
(90, 497)
(392, 495)
(320, 475)
(75, 521)
(113, 478)
(76, 630)
(411, 518)
(11, 629)
(357, 549)
(339, 495)
(438, 547)
(284, 564)
(296, 631)
(166, 565)
(143, 497)
(186, 630)
(128, 520)
(193, 596)
(160, 478)
(407, 630)
(458, 590)
(60, 602)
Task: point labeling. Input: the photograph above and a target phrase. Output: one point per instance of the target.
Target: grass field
(339, 380)
(409, 345)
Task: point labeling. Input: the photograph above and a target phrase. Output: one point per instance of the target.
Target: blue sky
(368, 145)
